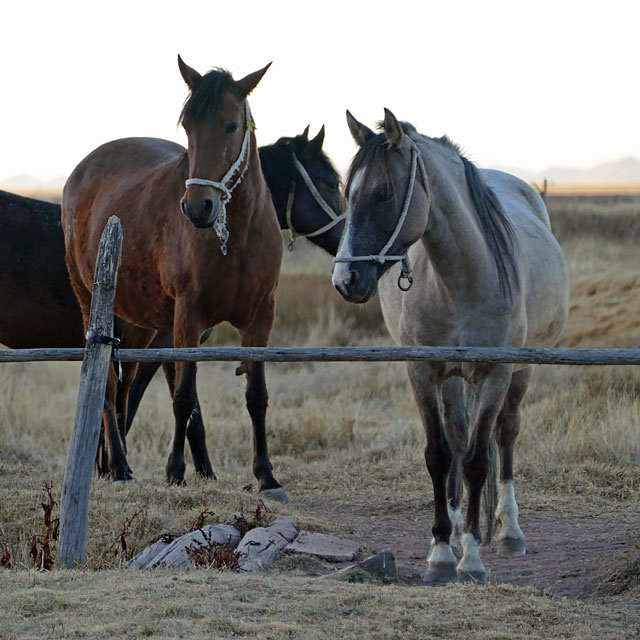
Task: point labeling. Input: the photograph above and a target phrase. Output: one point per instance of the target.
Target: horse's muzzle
(203, 212)
(353, 282)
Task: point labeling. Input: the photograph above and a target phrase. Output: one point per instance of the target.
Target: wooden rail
(348, 354)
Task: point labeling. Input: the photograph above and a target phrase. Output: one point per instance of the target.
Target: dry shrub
(624, 575)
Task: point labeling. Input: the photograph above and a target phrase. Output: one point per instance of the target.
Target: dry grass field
(347, 443)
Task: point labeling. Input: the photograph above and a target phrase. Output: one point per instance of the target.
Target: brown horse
(218, 260)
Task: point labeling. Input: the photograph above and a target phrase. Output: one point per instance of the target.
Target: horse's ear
(360, 132)
(305, 133)
(315, 145)
(392, 129)
(191, 76)
(250, 82)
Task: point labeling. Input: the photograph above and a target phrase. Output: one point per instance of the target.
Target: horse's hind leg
(457, 426)
(510, 536)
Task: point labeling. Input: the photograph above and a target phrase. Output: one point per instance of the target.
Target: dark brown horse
(191, 258)
(39, 309)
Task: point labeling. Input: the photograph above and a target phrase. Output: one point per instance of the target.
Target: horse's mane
(204, 99)
(494, 223)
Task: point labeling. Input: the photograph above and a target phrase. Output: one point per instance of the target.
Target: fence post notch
(74, 503)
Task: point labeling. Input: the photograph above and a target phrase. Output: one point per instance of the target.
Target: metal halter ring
(408, 278)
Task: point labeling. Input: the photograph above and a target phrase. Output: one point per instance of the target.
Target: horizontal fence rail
(344, 354)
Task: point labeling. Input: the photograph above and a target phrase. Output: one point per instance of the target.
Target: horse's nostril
(207, 208)
(183, 207)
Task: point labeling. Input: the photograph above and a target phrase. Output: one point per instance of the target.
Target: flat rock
(260, 547)
(175, 554)
(321, 545)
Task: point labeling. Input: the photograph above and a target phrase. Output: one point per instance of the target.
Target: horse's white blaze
(441, 553)
(471, 562)
(507, 513)
(346, 248)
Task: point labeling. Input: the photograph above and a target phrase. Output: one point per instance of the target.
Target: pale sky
(515, 83)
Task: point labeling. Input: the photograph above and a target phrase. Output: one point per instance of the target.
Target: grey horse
(461, 256)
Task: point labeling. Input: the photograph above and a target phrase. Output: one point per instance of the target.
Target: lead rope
(334, 218)
(220, 223)
(382, 257)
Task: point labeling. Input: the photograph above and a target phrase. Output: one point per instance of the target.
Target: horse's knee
(184, 401)
(438, 458)
(257, 398)
(475, 467)
(507, 427)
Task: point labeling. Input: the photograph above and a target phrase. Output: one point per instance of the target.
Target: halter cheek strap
(334, 218)
(382, 257)
(227, 185)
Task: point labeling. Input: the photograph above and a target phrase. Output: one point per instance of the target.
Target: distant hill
(26, 184)
(622, 171)
(625, 170)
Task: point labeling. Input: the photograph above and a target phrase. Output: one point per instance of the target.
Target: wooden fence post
(74, 504)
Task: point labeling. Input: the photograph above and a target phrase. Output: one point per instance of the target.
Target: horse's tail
(490, 491)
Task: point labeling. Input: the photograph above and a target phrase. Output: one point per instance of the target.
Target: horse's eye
(232, 128)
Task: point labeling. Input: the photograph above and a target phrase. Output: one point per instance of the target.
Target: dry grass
(224, 605)
(336, 430)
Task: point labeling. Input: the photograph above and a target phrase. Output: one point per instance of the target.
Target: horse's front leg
(441, 564)
(491, 384)
(257, 400)
(185, 398)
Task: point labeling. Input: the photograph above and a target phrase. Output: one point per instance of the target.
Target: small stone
(381, 566)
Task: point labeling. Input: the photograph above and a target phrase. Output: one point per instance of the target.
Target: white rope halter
(225, 185)
(382, 257)
(334, 218)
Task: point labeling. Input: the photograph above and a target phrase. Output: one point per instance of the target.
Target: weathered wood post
(74, 504)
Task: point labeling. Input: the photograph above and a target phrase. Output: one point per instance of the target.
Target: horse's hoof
(511, 547)
(123, 477)
(279, 495)
(475, 577)
(440, 572)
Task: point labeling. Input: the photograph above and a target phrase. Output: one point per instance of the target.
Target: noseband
(227, 185)
(334, 218)
(382, 257)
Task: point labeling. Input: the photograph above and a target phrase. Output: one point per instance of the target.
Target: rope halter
(383, 256)
(227, 184)
(322, 203)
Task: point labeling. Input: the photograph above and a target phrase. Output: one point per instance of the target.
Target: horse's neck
(454, 243)
(278, 184)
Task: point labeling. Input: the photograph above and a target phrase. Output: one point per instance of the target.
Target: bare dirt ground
(567, 553)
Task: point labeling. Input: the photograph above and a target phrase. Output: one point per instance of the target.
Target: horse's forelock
(205, 98)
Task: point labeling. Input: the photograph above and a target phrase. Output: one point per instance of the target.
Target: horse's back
(37, 305)
(543, 279)
(512, 191)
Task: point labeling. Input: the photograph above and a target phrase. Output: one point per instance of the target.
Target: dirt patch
(567, 553)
